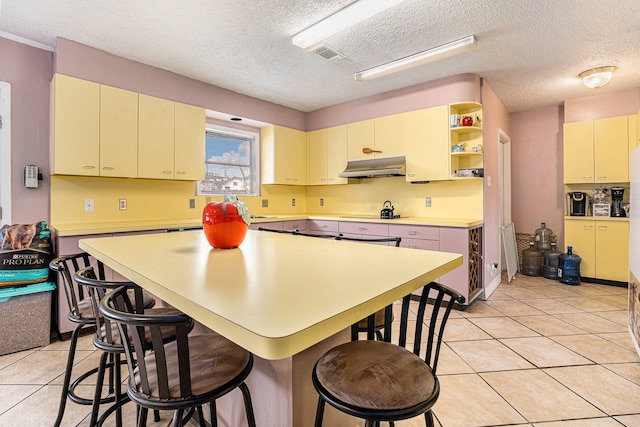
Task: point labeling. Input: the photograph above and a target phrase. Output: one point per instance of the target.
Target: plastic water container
(543, 238)
(551, 261)
(570, 268)
(532, 261)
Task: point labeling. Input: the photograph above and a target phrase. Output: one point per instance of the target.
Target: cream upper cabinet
(327, 151)
(189, 149)
(360, 135)
(75, 126)
(427, 148)
(317, 157)
(156, 127)
(390, 135)
(597, 151)
(336, 154)
(118, 132)
(578, 152)
(611, 138)
(284, 156)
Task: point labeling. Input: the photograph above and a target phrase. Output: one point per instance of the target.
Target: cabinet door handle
(107, 168)
(180, 172)
(602, 227)
(167, 172)
(586, 178)
(88, 167)
(601, 177)
(588, 227)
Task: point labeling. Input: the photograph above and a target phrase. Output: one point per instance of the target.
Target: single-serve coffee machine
(577, 203)
(616, 202)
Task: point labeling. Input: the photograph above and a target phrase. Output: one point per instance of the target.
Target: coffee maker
(616, 202)
(577, 203)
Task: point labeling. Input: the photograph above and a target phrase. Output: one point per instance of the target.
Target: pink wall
(610, 104)
(77, 60)
(495, 116)
(29, 72)
(536, 160)
(463, 87)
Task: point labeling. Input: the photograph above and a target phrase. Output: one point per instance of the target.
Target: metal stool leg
(67, 374)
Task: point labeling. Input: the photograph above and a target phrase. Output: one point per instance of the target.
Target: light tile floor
(537, 353)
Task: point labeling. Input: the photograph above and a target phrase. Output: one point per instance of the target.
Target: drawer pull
(412, 232)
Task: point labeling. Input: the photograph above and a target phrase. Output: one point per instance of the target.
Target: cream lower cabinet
(427, 147)
(603, 246)
(284, 156)
(74, 126)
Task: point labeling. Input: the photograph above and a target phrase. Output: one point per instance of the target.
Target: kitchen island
(284, 298)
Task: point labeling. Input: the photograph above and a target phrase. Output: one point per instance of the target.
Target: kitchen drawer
(270, 225)
(300, 225)
(364, 228)
(428, 245)
(328, 227)
(414, 232)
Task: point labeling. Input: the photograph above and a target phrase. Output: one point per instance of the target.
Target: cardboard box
(25, 317)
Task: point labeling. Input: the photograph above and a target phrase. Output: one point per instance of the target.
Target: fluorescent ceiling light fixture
(344, 18)
(597, 77)
(444, 51)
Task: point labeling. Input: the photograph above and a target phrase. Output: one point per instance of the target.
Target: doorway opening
(5, 153)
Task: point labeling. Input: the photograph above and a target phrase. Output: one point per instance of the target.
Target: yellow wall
(160, 199)
(150, 200)
(455, 199)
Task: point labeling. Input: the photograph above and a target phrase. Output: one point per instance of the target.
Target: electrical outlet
(321, 202)
(265, 203)
(122, 204)
(293, 202)
(88, 205)
(427, 202)
(192, 203)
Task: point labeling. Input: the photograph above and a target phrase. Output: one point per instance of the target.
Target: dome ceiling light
(597, 77)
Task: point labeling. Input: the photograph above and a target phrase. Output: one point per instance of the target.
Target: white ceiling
(529, 51)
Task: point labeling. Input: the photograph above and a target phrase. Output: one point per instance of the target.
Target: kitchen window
(232, 159)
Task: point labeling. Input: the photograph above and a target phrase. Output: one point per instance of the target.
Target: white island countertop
(276, 294)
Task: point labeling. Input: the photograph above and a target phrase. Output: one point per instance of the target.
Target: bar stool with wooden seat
(107, 338)
(379, 381)
(183, 374)
(81, 314)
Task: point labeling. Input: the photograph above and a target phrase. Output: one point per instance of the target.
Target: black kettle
(387, 211)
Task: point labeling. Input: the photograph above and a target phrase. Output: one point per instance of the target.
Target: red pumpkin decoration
(223, 226)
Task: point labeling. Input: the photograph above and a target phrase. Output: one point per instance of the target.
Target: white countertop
(276, 294)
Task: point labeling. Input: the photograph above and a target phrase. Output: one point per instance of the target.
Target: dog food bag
(25, 254)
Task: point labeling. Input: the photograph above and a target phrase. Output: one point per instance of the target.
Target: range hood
(389, 166)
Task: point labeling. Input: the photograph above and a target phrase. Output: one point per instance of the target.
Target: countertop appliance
(387, 211)
(577, 203)
(616, 202)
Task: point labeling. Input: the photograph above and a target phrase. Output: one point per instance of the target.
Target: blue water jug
(570, 271)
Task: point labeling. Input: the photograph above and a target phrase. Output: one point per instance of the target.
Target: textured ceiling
(529, 51)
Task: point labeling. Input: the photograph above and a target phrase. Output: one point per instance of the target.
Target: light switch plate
(122, 204)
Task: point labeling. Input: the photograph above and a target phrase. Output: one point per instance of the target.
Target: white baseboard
(488, 290)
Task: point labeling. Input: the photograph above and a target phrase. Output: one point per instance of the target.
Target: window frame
(254, 162)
